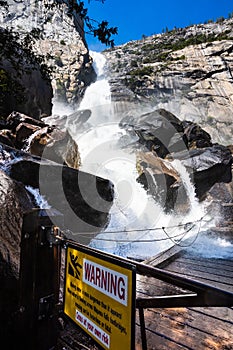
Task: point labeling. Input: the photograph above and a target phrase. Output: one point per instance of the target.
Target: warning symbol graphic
(74, 266)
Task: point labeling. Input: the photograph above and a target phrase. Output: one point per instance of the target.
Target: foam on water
(137, 222)
(40, 200)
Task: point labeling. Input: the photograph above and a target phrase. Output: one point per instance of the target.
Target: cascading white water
(136, 219)
(40, 200)
(97, 94)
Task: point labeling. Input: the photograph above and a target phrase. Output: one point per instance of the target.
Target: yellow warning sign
(99, 296)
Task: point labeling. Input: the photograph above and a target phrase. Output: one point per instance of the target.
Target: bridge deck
(190, 328)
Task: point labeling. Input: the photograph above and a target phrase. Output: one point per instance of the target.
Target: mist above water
(138, 225)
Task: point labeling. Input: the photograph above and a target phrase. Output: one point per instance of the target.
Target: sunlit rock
(63, 47)
(167, 137)
(207, 166)
(160, 179)
(41, 139)
(186, 71)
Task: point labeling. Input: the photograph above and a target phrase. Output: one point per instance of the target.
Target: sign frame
(109, 262)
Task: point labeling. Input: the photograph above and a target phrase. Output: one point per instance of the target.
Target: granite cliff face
(186, 71)
(63, 44)
(23, 86)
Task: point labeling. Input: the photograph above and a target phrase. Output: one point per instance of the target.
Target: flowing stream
(138, 225)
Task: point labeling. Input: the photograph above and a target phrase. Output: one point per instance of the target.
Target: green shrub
(147, 70)
(134, 63)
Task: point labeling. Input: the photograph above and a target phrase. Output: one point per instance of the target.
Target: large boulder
(207, 166)
(158, 131)
(14, 201)
(162, 132)
(160, 179)
(54, 144)
(15, 118)
(84, 199)
(40, 139)
(167, 138)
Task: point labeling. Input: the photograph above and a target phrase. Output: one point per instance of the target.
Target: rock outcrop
(84, 199)
(185, 71)
(163, 138)
(23, 84)
(46, 158)
(63, 45)
(40, 139)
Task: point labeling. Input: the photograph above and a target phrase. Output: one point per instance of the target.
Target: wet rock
(40, 139)
(23, 132)
(83, 199)
(16, 118)
(168, 138)
(158, 131)
(160, 179)
(162, 132)
(195, 136)
(7, 137)
(56, 145)
(80, 117)
(207, 166)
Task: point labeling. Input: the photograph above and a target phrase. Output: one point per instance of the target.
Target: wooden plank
(203, 271)
(223, 314)
(220, 281)
(157, 340)
(152, 286)
(218, 263)
(177, 325)
(223, 286)
(167, 255)
(202, 322)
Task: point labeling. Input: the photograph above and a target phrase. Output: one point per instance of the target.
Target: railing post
(143, 328)
(39, 281)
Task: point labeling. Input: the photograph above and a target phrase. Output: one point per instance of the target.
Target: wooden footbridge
(183, 301)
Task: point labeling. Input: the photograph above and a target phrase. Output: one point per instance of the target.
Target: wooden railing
(40, 266)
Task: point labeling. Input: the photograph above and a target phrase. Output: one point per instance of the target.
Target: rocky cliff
(23, 85)
(186, 71)
(63, 44)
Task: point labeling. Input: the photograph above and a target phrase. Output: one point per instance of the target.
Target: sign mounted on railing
(99, 296)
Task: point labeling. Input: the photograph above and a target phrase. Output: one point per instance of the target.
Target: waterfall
(98, 93)
(135, 227)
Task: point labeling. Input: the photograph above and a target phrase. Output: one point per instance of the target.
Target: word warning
(99, 296)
